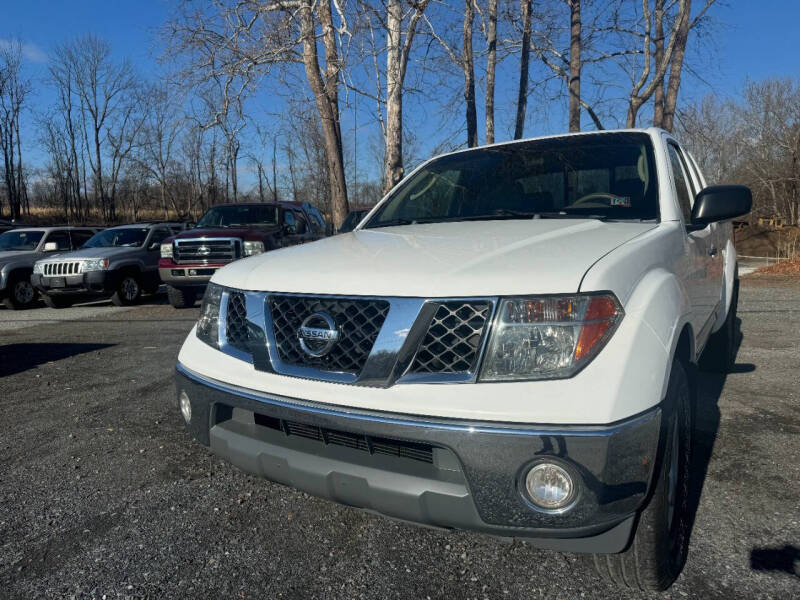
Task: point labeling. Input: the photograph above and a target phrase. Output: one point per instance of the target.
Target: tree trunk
(658, 107)
(326, 97)
(522, 96)
(469, 75)
(676, 66)
(491, 63)
(575, 66)
(394, 98)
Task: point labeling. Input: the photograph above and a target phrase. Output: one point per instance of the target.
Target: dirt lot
(102, 494)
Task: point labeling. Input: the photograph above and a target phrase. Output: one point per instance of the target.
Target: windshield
(110, 238)
(20, 240)
(606, 176)
(232, 215)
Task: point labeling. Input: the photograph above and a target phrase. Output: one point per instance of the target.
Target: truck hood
(15, 255)
(236, 232)
(479, 258)
(111, 252)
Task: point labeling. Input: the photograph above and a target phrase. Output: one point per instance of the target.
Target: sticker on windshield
(621, 201)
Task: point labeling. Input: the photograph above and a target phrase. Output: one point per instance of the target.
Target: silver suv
(21, 248)
(119, 262)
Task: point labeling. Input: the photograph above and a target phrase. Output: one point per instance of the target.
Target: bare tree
(676, 66)
(491, 66)
(104, 89)
(653, 70)
(237, 43)
(469, 74)
(160, 135)
(575, 65)
(398, 50)
(14, 89)
(522, 95)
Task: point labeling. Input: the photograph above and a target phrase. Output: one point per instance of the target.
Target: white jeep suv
(504, 344)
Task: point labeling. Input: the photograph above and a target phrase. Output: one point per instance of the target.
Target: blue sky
(755, 39)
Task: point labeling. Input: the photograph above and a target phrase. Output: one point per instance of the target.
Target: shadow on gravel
(706, 425)
(785, 559)
(16, 358)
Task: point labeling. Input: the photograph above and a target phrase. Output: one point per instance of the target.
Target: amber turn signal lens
(600, 316)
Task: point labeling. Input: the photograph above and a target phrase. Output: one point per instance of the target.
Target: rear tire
(657, 553)
(720, 351)
(57, 301)
(21, 294)
(129, 290)
(181, 297)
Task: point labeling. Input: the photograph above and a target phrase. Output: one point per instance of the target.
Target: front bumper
(471, 476)
(183, 275)
(93, 283)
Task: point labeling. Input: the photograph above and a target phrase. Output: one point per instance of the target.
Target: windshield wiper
(566, 215)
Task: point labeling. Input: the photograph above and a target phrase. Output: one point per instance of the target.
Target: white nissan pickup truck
(504, 344)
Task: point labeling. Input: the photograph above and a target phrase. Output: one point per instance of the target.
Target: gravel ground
(18, 319)
(103, 494)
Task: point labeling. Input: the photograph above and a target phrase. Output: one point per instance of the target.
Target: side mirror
(50, 246)
(289, 229)
(720, 203)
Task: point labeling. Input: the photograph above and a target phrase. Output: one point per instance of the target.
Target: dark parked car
(228, 232)
(21, 248)
(119, 262)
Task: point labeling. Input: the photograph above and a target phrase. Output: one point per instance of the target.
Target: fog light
(549, 486)
(186, 406)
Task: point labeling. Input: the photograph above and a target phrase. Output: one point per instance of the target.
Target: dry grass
(784, 267)
(41, 216)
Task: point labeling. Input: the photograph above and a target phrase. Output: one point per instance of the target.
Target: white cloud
(30, 51)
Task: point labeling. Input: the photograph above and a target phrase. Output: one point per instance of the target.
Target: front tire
(21, 294)
(181, 297)
(129, 290)
(720, 351)
(658, 550)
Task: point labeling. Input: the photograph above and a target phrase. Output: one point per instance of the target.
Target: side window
(79, 238)
(681, 184)
(288, 219)
(159, 235)
(61, 238)
(302, 226)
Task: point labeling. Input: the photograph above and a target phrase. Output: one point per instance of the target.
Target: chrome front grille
(62, 268)
(208, 250)
(453, 340)
(381, 341)
(359, 322)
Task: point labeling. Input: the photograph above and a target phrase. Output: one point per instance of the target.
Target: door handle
(713, 252)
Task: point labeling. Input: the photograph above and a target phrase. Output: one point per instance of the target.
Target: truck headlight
(38, 268)
(251, 248)
(548, 337)
(166, 250)
(208, 323)
(94, 264)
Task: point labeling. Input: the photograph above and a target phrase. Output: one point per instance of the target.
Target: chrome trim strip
(411, 421)
(391, 356)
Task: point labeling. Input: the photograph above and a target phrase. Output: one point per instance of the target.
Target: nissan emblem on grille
(318, 334)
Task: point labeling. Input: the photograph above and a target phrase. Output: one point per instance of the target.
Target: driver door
(701, 252)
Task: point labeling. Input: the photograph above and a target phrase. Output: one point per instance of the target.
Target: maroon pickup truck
(228, 232)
